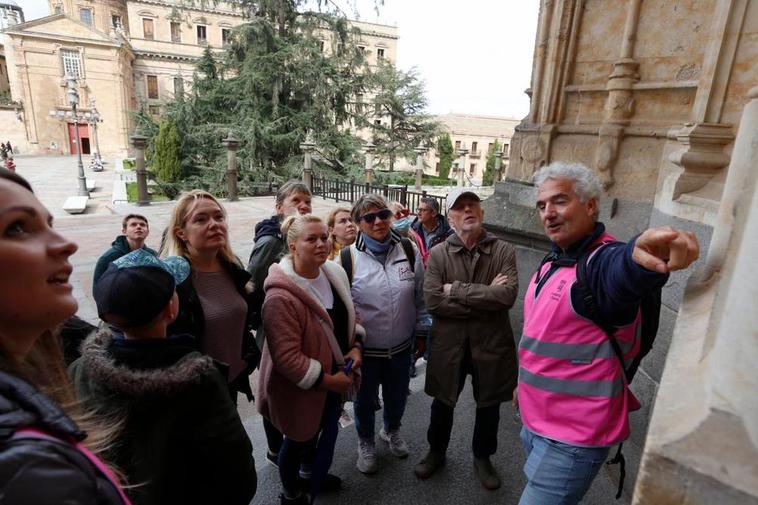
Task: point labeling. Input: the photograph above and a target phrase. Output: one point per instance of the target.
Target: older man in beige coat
(470, 285)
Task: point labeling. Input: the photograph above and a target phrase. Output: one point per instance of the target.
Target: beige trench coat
(475, 312)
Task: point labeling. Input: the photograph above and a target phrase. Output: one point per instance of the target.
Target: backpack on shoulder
(650, 309)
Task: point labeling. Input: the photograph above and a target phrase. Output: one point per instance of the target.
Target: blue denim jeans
(392, 374)
(558, 473)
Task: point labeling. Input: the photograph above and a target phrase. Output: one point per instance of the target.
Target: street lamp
(462, 151)
(72, 95)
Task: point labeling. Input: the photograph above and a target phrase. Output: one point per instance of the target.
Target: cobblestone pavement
(54, 179)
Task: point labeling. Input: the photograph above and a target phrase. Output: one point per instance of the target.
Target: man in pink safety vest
(572, 391)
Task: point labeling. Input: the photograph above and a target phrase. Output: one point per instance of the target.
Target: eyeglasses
(402, 213)
(423, 209)
(383, 214)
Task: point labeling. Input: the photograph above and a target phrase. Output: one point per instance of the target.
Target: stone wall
(648, 94)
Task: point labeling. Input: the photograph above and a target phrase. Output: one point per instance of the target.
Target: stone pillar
(702, 445)
(419, 150)
(139, 142)
(307, 146)
(462, 152)
(368, 171)
(231, 144)
(498, 166)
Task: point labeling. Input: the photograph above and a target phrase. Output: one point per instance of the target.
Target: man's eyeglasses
(383, 214)
(422, 209)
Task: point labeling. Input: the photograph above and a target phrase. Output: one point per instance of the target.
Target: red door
(83, 135)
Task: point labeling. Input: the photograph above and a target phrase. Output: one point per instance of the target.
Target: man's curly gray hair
(586, 183)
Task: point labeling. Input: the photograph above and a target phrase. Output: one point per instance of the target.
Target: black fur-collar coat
(182, 440)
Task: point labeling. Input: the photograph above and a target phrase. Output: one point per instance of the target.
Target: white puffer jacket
(388, 297)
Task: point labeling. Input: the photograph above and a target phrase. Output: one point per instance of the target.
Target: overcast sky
(475, 55)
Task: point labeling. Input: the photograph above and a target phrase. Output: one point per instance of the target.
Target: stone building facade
(649, 93)
(128, 54)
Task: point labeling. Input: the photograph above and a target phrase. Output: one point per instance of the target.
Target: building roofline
(478, 116)
(190, 8)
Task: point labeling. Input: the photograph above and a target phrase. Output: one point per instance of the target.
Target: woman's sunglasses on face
(383, 214)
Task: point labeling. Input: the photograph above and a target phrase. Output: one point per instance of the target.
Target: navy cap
(137, 287)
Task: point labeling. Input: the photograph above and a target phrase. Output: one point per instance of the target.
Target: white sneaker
(398, 447)
(366, 456)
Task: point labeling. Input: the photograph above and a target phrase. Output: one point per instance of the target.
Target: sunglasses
(402, 213)
(383, 214)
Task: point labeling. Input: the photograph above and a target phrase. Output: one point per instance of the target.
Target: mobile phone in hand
(348, 366)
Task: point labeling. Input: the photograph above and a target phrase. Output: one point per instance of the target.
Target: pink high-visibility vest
(571, 384)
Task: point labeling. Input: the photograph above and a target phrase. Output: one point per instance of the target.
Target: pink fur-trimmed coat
(296, 349)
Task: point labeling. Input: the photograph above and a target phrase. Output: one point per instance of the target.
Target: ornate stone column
(307, 146)
(139, 142)
(420, 150)
(231, 144)
(368, 171)
(462, 152)
(704, 138)
(702, 445)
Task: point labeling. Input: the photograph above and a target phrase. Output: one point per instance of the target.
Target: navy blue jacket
(617, 282)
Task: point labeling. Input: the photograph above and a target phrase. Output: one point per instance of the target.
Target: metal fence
(350, 191)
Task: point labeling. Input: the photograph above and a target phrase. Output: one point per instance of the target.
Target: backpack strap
(346, 259)
(35, 434)
(590, 304)
(409, 252)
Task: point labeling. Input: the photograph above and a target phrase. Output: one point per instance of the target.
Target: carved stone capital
(701, 156)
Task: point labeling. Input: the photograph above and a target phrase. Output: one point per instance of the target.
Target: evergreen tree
(399, 122)
(165, 163)
(445, 153)
(488, 179)
(277, 79)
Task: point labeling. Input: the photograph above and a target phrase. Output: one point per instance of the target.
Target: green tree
(398, 121)
(277, 79)
(445, 153)
(166, 154)
(488, 179)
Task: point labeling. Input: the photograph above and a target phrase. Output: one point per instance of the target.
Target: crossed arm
(455, 298)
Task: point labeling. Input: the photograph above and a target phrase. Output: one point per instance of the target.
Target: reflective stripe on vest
(571, 385)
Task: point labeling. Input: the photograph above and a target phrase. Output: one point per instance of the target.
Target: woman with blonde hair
(311, 355)
(215, 305)
(44, 450)
(342, 230)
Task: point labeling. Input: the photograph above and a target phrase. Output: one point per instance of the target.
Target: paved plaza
(54, 179)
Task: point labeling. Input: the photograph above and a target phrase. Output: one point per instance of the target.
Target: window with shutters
(379, 54)
(148, 29)
(226, 35)
(72, 64)
(116, 21)
(152, 86)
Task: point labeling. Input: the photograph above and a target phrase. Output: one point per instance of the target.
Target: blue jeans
(392, 374)
(558, 473)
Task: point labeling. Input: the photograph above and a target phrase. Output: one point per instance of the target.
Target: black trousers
(484, 441)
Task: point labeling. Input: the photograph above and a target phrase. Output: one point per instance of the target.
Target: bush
(166, 161)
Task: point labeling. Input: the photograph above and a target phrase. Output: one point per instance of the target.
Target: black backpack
(650, 308)
(346, 258)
